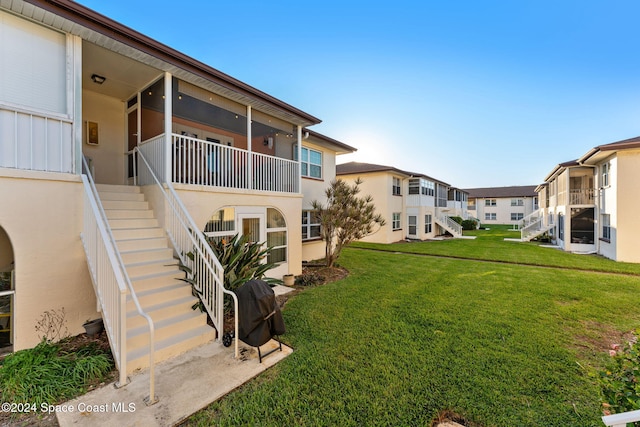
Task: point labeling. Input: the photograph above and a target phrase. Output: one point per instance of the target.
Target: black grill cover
(259, 317)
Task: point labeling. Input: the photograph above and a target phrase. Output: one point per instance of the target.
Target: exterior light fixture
(98, 79)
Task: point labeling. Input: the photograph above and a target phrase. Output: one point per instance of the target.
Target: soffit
(219, 87)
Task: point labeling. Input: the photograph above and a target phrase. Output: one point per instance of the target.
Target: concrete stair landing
(155, 276)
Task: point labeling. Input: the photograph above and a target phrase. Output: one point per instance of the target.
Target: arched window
(222, 225)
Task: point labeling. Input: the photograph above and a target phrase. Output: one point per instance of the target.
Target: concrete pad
(184, 385)
(468, 237)
(281, 289)
(509, 239)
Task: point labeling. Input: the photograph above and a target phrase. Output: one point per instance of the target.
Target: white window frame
(490, 216)
(606, 227)
(604, 176)
(517, 216)
(428, 223)
(396, 186)
(305, 161)
(270, 230)
(517, 202)
(307, 225)
(490, 202)
(412, 229)
(395, 221)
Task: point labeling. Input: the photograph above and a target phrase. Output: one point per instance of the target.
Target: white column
(74, 100)
(299, 157)
(249, 155)
(168, 116)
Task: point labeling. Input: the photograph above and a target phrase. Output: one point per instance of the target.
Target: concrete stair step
(146, 255)
(166, 328)
(137, 233)
(145, 268)
(152, 281)
(125, 204)
(120, 223)
(118, 188)
(128, 213)
(161, 311)
(170, 347)
(129, 245)
(159, 295)
(125, 196)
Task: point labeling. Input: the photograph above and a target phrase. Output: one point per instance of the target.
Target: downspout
(168, 116)
(249, 154)
(299, 149)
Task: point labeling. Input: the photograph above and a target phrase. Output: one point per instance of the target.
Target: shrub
(469, 224)
(620, 381)
(457, 219)
(47, 374)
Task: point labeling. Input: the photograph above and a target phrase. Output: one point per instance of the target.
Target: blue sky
(476, 94)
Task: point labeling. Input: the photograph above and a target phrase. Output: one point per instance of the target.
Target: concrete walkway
(184, 385)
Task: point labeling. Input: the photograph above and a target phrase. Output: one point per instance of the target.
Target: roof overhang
(71, 17)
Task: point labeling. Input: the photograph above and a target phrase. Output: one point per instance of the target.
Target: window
(427, 223)
(561, 226)
(421, 186)
(413, 225)
(517, 202)
(396, 186)
(222, 225)
(490, 202)
(605, 175)
(276, 236)
(395, 222)
(516, 216)
(310, 163)
(490, 216)
(310, 225)
(606, 227)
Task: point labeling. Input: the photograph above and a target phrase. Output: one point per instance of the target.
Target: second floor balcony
(582, 196)
(199, 162)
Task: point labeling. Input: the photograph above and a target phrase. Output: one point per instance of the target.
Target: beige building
(414, 206)
(118, 155)
(502, 205)
(589, 205)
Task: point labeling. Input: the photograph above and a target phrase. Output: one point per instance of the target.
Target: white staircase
(533, 225)
(155, 276)
(450, 225)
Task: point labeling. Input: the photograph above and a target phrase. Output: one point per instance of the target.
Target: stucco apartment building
(502, 205)
(591, 205)
(118, 155)
(414, 205)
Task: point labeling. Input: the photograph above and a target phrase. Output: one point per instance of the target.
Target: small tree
(345, 217)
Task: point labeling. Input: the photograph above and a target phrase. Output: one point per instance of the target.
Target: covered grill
(259, 317)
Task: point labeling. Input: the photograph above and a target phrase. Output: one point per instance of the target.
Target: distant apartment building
(502, 205)
(414, 205)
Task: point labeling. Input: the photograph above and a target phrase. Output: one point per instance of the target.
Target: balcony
(582, 196)
(198, 162)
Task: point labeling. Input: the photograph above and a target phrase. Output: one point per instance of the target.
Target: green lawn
(406, 336)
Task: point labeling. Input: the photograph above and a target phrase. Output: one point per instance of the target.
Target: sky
(474, 93)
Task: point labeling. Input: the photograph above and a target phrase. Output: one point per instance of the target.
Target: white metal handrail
(112, 282)
(206, 270)
(621, 419)
(453, 226)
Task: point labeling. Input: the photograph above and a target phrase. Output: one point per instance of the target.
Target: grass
(50, 374)
(489, 245)
(405, 337)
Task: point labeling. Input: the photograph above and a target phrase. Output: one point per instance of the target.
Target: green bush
(620, 381)
(48, 374)
(457, 219)
(469, 224)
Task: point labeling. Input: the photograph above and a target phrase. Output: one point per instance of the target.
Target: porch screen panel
(33, 69)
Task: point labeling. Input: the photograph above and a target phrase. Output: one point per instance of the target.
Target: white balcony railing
(582, 196)
(200, 162)
(35, 141)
